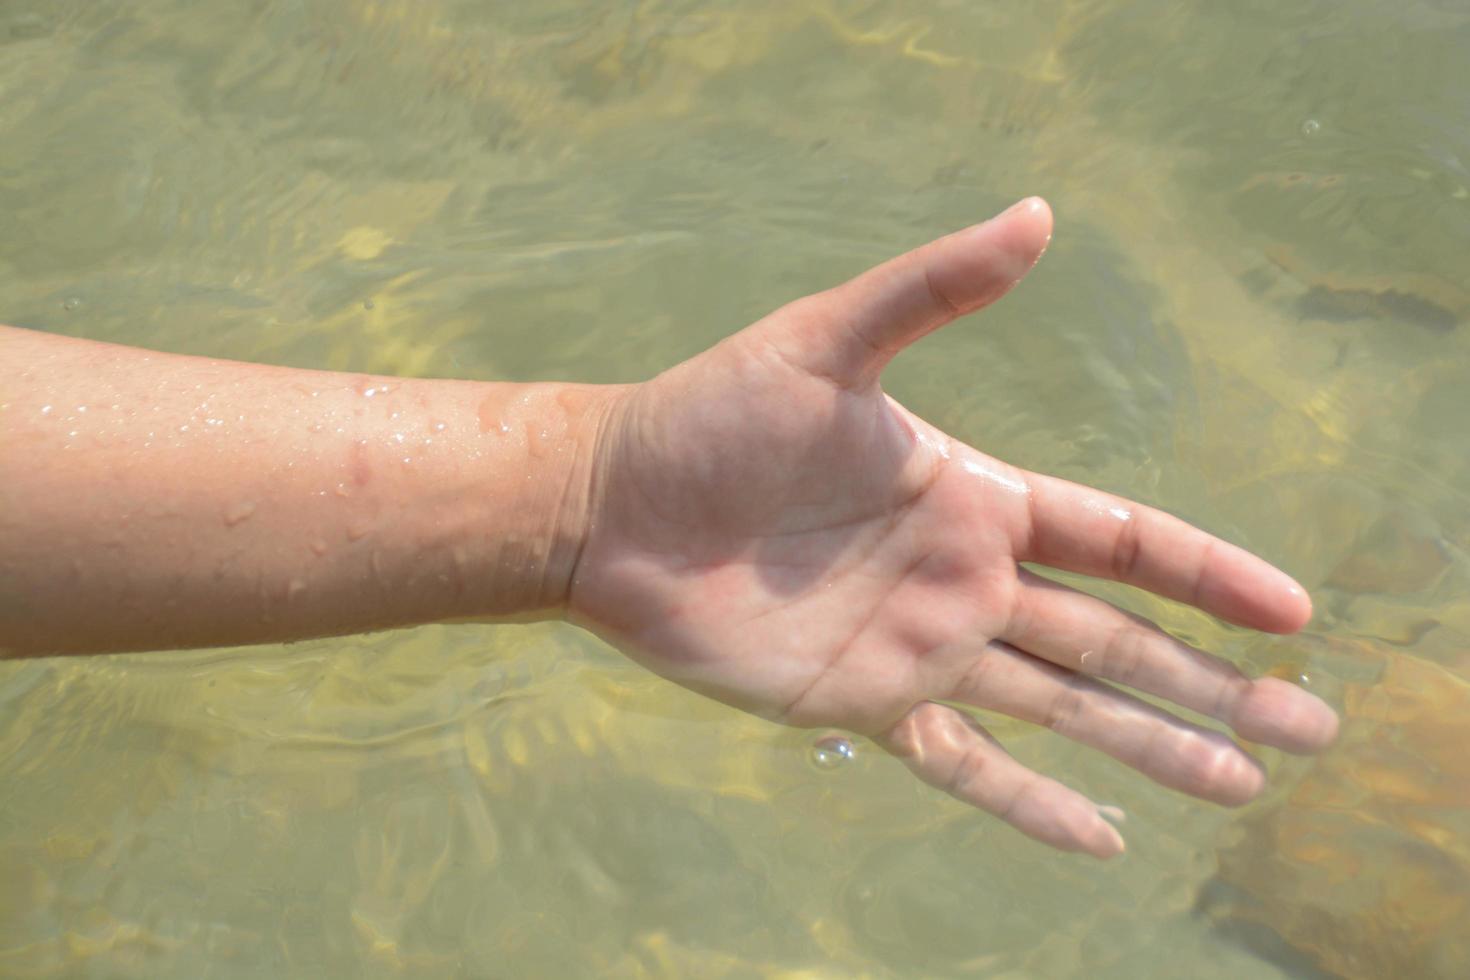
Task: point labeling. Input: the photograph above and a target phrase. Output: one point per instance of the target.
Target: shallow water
(1255, 314)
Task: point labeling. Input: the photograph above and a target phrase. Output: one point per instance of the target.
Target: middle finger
(1086, 634)
(1167, 749)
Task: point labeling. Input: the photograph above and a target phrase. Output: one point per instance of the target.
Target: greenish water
(1255, 314)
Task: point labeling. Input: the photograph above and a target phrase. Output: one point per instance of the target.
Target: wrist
(532, 524)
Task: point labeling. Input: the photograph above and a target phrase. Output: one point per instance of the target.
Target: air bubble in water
(831, 752)
(1311, 127)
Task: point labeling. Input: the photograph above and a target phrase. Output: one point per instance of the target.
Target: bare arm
(151, 500)
(761, 523)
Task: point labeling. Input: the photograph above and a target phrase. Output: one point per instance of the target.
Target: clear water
(1255, 314)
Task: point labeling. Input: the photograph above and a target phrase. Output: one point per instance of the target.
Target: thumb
(851, 332)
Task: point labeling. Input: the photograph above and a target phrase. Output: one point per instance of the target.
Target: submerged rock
(1365, 869)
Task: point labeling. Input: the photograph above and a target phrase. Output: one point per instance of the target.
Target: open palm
(772, 530)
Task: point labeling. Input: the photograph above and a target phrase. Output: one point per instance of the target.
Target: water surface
(1255, 315)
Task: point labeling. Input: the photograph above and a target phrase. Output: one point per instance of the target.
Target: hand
(770, 529)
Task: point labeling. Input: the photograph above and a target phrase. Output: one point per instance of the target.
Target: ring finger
(1167, 749)
(1087, 635)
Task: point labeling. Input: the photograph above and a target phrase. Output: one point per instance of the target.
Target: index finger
(1080, 529)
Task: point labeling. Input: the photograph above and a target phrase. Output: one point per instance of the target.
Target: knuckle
(1020, 616)
(1122, 655)
(1210, 770)
(969, 770)
(975, 678)
(1065, 710)
(1126, 548)
(919, 735)
(903, 739)
(943, 304)
(1232, 689)
(1206, 558)
(1028, 795)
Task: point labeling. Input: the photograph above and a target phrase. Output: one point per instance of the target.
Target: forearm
(151, 500)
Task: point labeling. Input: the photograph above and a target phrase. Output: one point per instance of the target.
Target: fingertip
(1028, 225)
(1033, 205)
(1282, 715)
(1295, 605)
(1082, 826)
(1331, 726)
(882, 311)
(1247, 590)
(1247, 783)
(1105, 842)
(1040, 210)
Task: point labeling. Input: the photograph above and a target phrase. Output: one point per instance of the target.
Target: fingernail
(1030, 204)
(1111, 842)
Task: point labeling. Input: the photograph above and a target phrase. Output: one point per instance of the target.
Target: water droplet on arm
(238, 512)
(537, 440)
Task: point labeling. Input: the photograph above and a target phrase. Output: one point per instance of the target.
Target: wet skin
(760, 523)
(771, 529)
